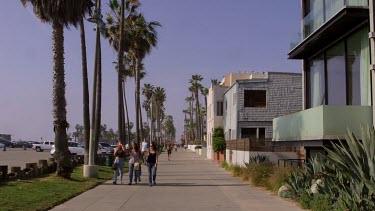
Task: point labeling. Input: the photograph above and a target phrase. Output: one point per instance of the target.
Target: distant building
(251, 104)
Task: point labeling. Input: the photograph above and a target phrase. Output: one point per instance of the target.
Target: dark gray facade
(283, 94)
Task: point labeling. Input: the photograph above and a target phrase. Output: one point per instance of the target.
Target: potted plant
(219, 144)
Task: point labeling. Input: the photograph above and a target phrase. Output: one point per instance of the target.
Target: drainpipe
(372, 52)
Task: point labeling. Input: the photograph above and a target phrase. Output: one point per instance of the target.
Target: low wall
(210, 153)
(235, 157)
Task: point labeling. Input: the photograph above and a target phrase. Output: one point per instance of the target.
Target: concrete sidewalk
(188, 182)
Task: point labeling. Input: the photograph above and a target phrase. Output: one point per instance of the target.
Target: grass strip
(46, 192)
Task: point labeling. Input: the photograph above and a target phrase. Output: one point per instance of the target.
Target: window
(219, 108)
(234, 98)
(255, 98)
(226, 105)
(336, 77)
(340, 75)
(248, 132)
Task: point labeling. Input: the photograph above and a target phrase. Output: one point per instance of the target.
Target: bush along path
(343, 179)
(46, 192)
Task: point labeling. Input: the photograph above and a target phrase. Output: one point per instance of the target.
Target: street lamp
(91, 170)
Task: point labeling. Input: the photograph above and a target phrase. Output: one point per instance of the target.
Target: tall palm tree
(148, 91)
(160, 98)
(117, 35)
(143, 36)
(196, 86)
(86, 96)
(190, 100)
(204, 92)
(59, 14)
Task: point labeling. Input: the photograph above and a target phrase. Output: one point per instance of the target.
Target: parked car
(78, 149)
(21, 144)
(2, 145)
(47, 145)
(7, 143)
(106, 146)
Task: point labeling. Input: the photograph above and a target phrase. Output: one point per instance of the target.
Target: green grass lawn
(46, 192)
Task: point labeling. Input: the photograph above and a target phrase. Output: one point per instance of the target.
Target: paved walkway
(188, 182)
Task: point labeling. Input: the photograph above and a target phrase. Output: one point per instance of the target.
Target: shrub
(305, 200)
(245, 173)
(224, 165)
(321, 202)
(236, 170)
(278, 178)
(260, 173)
(198, 147)
(219, 144)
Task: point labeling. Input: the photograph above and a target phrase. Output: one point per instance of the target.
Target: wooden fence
(257, 145)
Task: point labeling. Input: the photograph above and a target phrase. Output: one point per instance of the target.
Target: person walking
(169, 149)
(144, 150)
(119, 162)
(175, 147)
(152, 162)
(134, 162)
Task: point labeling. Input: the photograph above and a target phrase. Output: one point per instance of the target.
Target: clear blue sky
(206, 37)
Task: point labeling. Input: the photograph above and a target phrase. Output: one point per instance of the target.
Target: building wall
(237, 157)
(284, 96)
(215, 94)
(230, 113)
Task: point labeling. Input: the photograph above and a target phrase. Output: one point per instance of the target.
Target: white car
(47, 145)
(78, 149)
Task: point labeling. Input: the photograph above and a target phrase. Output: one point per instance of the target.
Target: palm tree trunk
(197, 114)
(86, 95)
(125, 105)
(62, 154)
(98, 110)
(120, 72)
(140, 117)
(127, 117)
(137, 99)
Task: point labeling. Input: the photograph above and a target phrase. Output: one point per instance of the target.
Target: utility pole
(372, 52)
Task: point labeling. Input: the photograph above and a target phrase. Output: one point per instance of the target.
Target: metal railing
(323, 11)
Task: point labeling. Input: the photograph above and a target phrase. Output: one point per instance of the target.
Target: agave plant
(260, 158)
(354, 165)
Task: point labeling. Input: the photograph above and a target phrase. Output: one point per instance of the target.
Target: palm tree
(86, 96)
(59, 14)
(196, 86)
(214, 82)
(117, 37)
(190, 101)
(159, 98)
(204, 92)
(143, 38)
(148, 91)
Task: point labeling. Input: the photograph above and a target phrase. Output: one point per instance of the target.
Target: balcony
(330, 20)
(321, 123)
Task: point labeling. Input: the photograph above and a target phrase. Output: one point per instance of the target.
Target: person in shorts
(144, 147)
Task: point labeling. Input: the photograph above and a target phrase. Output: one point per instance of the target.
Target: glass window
(358, 60)
(317, 82)
(219, 108)
(336, 75)
(255, 98)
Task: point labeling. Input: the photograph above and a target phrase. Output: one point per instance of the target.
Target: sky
(207, 37)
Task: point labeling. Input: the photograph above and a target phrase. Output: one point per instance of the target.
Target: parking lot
(19, 157)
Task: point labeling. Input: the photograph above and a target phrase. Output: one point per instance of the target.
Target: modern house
(215, 102)
(250, 105)
(334, 50)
